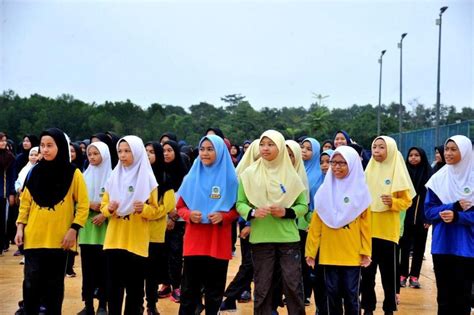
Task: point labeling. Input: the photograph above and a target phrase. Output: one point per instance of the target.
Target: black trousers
(11, 222)
(453, 281)
(413, 236)
(174, 247)
(125, 272)
(155, 271)
(202, 272)
(94, 271)
(244, 276)
(3, 224)
(342, 283)
(288, 256)
(383, 256)
(44, 280)
(305, 269)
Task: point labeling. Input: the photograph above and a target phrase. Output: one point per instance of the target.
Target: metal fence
(426, 138)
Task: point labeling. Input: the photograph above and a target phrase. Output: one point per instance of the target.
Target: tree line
(237, 118)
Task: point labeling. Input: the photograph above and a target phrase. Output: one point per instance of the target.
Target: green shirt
(92, 234)
(271, 229)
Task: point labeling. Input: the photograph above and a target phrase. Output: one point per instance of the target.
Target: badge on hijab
(388, 182)
(346, 199)
(130, 189)
(467, 190)
(216, 192)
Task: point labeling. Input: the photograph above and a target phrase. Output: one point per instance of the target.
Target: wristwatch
(252, 213)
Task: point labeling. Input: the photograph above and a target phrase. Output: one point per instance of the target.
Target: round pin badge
(387, 182)
(346, 199)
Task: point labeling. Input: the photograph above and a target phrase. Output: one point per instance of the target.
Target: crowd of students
(314, 220)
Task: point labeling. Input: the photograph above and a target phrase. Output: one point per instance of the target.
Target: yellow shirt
(46, 228)
(132, 232)
(158, 226)
(386, 224)
(340, 247)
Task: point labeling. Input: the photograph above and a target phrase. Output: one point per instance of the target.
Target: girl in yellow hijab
(392, 191)
(271, 195)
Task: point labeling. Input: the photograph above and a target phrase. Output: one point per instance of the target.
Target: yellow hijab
(387, 177)
(251, 155)
(299, 165)
(272, 182)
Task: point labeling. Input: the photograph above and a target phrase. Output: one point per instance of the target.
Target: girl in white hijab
(341, 221)
(130, 200)
(32, 160)
(449, 206)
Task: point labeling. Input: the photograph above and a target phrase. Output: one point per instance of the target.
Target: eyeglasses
(338, 163)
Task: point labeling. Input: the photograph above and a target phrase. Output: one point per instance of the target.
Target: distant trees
(238, 119)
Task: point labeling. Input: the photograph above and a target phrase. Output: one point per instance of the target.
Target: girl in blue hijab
(207, 204)
(310, 149)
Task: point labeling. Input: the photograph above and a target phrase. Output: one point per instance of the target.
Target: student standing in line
(207, 204)
(156, 264)
(392, 191)
(7, 185)
(130, 200)
(449, 206)
(32, 160)
(416, 226)
(239, 289)
(175, 170)
(91, 237)
(440, 161)
(310, 152)
(327, 145)
(271, 196)
(341, 221)
(53, 206)
(341, 138)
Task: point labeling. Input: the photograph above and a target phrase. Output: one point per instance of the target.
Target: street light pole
(400, 107)
(438, 93)
(380, 92)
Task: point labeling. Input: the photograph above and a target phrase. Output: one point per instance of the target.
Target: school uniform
(128, 234)
(274, 240)
(92, 236)
(207, 247)
(7, 189)
(452, 245)
(342, 221)
(387, 177)
(54, 200)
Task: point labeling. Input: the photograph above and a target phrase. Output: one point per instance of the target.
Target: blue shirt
(455, 238)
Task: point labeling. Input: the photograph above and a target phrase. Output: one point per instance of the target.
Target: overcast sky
(276, 53)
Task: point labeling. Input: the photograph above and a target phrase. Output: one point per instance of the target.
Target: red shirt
(213, 240)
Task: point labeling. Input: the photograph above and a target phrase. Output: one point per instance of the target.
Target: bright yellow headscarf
(251, 155)
(387, 177)
(272, 182)
(299, 165)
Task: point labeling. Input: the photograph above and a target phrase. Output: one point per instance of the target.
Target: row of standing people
(273, 168)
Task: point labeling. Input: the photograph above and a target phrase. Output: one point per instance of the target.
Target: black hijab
(6, 156)
(217, 131)
(22, 158)
(109, 142)
(79, 160)
(439, 165)
(164, 182)
(170, 136)
(49, 181)
(176, 170)
(327, 141)
(420, 173)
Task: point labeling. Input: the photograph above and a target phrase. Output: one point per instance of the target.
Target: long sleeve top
(214, 240)
(455, 238)
(271, 229)
(46, 228)
(7, 183)
(386, 224)
(351, 241)
(131, 232)
(158, 226)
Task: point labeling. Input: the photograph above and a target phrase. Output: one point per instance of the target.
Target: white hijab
(133, 183)
(96, 176)
(454, 182)
(25, 170)
(338, 202)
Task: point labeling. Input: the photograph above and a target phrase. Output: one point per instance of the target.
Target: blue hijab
(211, 188)
(328, 152)
(313, 170)
(345, 134)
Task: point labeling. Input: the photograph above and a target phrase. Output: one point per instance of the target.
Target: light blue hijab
(211, 188)
(313, 170)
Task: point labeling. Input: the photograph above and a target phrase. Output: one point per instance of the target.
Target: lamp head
(442, 9)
